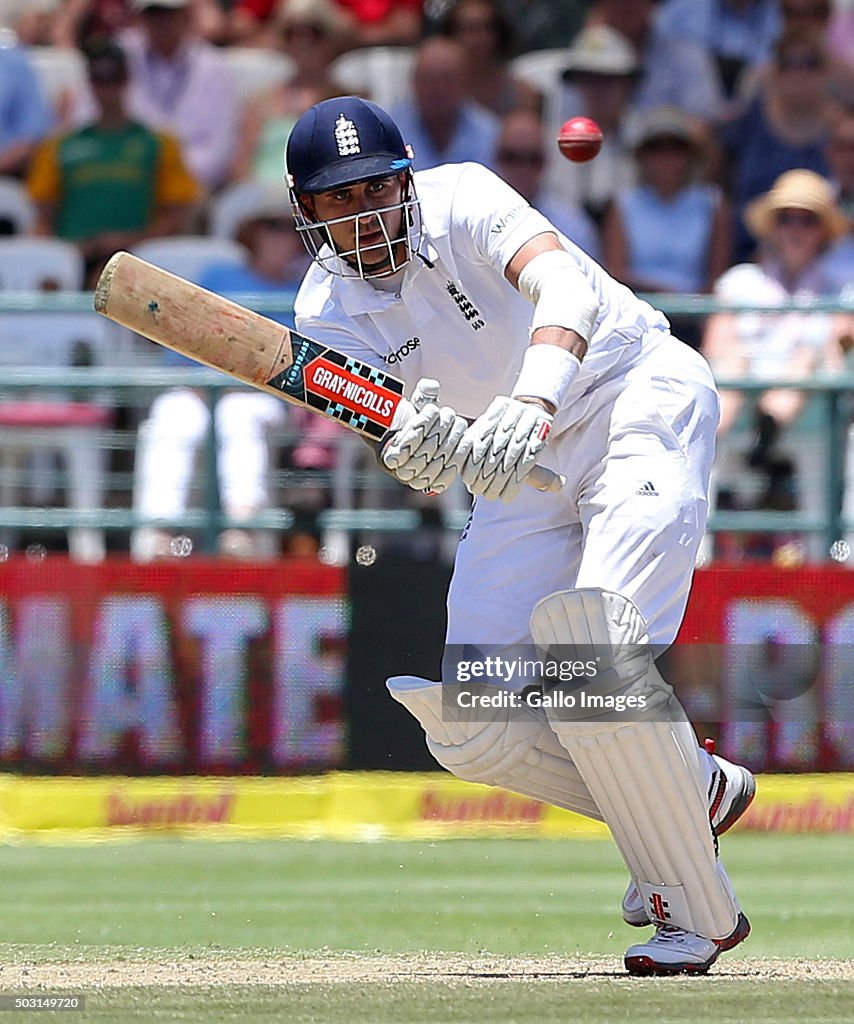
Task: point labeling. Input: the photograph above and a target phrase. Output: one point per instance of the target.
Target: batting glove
(423, 452)
(501, 447)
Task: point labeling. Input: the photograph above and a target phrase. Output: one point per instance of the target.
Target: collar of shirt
(358, 296)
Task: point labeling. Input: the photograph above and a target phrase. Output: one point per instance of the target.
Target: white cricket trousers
(630, 518)
(174, 432)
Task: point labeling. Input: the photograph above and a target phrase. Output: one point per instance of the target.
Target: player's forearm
(564, 317)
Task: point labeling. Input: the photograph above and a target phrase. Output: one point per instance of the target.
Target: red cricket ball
(579, 139)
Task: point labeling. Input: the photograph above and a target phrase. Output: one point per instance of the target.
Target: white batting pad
(518, 752)
(643, 770)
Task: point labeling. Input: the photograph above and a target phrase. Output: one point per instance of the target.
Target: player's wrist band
(547, 372)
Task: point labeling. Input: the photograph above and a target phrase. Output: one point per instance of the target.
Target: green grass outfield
(460, 931)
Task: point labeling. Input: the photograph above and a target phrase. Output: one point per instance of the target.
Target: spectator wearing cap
(673, 72)
(786, 125)
(521, 161)
(311, 33)
(179, 420)
(601, 72)
(795, 222)
(439, 120)
(670, 231)
(113, 182)
(180, 84)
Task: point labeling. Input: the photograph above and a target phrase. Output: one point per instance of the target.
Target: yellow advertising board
(359, 805)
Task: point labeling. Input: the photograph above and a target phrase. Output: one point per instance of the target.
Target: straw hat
(796, 190)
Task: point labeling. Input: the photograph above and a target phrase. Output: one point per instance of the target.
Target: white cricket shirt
(460, 321)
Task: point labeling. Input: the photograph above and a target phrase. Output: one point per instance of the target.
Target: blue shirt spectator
(785, 126)
(759, 155)
(737, 33)
(25, 115)
(440, 123)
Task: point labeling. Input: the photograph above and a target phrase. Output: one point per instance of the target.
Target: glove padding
(423, 452)
(501, 447)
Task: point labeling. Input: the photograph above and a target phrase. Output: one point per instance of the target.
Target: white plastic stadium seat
(189, 256)
(541, 68)
(228, 208)
(382, 73)
(28, 264)
(61, 72)
(256, 69)
(34, 427)
(16, 206)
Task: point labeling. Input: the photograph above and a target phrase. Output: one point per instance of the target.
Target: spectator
(179, 84)
(110, 184)
(310, 33)
(74, 23)
(179, 419)
(521, 161)
(785, 126)
(795, 222)
(816, 17)
(384, 22)
(840, 34)
(739, 34)
(598, 81)
(25, 116)
(30, 20)
(441, 124)
(839, 263)
(487, 36)
(674, 72)
(670, 232)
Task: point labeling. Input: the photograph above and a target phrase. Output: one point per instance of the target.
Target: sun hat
(798, 189)
(600, 50)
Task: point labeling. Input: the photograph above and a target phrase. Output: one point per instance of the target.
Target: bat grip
(543, 479)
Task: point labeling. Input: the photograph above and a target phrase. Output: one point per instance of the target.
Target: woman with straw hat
(794, 223)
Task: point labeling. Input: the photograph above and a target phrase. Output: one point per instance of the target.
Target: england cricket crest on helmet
(347, 136)
(339, 144)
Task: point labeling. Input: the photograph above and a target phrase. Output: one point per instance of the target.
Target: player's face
(355, 218)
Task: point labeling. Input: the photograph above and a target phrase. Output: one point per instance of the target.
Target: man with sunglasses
(521, 161)
(542, 357)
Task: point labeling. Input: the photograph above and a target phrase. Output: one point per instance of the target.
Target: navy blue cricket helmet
(341, 141)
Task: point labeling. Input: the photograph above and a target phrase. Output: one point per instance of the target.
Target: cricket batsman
(541, 358)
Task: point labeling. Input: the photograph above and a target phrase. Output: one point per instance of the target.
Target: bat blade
(226, 336)
(252, 348)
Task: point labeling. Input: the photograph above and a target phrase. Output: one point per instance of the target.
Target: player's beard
(381, 256)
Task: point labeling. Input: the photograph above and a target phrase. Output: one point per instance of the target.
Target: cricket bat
(253, 349)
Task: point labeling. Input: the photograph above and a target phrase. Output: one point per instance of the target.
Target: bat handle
(545, 479)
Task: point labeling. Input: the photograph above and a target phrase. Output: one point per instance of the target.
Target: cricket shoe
(731, 791)
(674, 951)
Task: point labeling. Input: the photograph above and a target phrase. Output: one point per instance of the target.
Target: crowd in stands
(727, 169)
